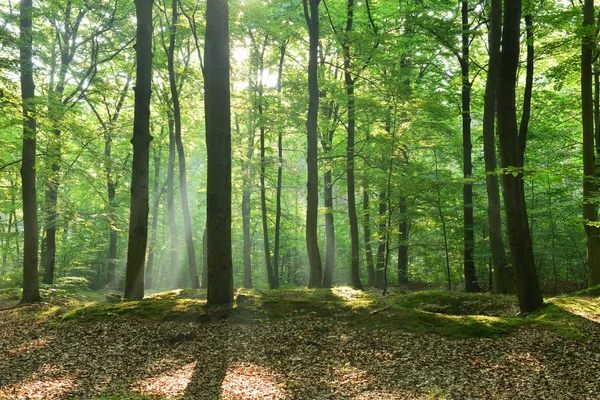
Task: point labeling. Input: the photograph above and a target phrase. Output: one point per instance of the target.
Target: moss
(459, 303)
(452, 314)
(166, 308)
(593, 291)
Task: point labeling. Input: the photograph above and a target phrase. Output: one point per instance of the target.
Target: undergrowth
(451, 314)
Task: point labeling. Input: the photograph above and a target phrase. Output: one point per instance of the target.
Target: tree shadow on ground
(277, 346)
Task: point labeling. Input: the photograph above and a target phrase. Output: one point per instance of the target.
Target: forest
(308, 199)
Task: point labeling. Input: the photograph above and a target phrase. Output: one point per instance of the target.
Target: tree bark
(187, 218)
(471, 284)
(31, 284)
(218, 144)
(247, 206)
(276, 246)
(138, 217)
(503, 282)
(350, 180)
(263, 164)
(590, 214)
(154, 232)
(174, 233)
(527, 286)
(312, 244)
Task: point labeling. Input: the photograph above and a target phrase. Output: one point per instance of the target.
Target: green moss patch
(451, 314)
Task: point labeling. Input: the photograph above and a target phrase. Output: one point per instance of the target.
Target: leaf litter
(287, 358)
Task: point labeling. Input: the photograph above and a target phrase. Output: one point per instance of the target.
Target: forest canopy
(368, 143)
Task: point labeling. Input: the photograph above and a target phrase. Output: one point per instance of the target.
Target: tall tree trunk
(590, 215)
(263, 162)
(326, 143)
(443, 220)
(218, 145)
(138, 217)
(31, 284)
(67, 32)
(174, 233)
(111, 187)
(502, 271)
(187, 218)
(350, 180)
(471, 284)
(276, 247)
(153, 233)
(381, 239)
(312, 243)
(367, 235)
(246, 205)
(527, 286)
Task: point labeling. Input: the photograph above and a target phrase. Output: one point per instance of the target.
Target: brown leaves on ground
(305, 357)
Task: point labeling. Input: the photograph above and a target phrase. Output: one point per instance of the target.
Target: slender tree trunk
(471, 284)
(590, 215)
(276, 266)
(502, 271)
(218, 144)
(31, 284)
(153, 233)
(312, 243)
(246, 206)
(112, 218)
(367, 236)
(527, 286)
(263, 162)
(187, 218)
(111, 187)
(326, 143)
(138, 217)
(403, 242)
(381, 248)
(329, 228)
(174, 245)
(443, 220)
(350, 180)
(68, 37)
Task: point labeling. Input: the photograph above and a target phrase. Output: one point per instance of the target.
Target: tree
(502, 272)
(218, 145)
(187, 219)
(350, 181)
(31, 284)
(471, 284)
(312, 245)
(511, 152)
(590, 214)
(108, 126)
(138, 215)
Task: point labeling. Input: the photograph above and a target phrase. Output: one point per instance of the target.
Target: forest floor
(300, 344)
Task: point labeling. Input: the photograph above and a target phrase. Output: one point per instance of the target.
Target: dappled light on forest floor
(302, 344)
(247, 381)
(47, 382)
(172, 382)
(347, 293)
(588, 308)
